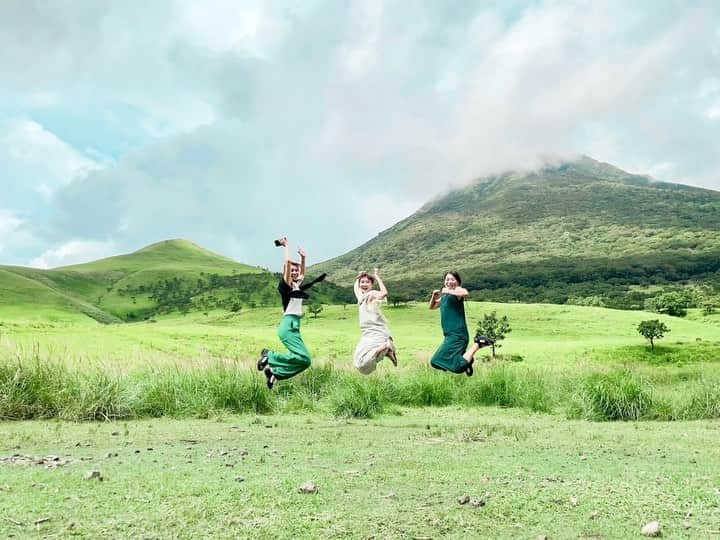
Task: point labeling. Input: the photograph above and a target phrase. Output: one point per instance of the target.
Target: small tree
(495, 328)
(652, 330)
(708, 308)
(315, 309)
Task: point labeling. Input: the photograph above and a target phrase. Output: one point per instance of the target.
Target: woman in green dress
(453, 355)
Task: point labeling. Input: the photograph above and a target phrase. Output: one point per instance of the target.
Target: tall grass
(31, 388)
(620, 395)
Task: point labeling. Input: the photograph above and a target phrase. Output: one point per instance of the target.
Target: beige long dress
(375, 333)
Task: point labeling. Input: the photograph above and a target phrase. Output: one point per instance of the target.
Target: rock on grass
(652, 529)
(308, 487)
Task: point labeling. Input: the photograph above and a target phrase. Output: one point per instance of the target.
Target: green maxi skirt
(449, 357)
(297, 360)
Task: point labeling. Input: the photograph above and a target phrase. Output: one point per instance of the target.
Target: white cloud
(333, 120)
(74, 252)
(9, 223)
(32, 156)
(714, 111)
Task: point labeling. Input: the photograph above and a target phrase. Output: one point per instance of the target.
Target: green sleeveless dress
(449, 357)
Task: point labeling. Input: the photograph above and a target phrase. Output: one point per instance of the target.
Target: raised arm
(286, 265)
(303, 255)
(435, 299)
(383, 292)
(356, 288)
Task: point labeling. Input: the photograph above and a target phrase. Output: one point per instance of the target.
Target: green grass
(581, 362)
(395, 477)
(543, 334)
(550, 442)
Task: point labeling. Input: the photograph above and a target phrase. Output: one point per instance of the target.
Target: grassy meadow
(583, 362)
(190, 443)
(397, 476)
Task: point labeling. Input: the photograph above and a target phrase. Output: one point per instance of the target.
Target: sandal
(392, 356)
(263, 361)
(483, 341)
(270, 378)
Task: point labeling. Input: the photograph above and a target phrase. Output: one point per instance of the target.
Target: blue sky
(230, 123)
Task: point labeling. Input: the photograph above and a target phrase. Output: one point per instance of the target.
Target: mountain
(173, 275)
(579, 229)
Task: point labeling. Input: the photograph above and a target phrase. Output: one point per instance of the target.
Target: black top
(287, 292)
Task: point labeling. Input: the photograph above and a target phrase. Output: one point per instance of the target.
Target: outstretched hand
(301, 252)
(377, 273)
(283, 241)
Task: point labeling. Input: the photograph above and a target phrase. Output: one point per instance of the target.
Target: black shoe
(263, 361)
(483, 341)
(469, 370)
(269, 376)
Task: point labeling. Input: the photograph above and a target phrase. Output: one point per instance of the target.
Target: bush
(614, 396)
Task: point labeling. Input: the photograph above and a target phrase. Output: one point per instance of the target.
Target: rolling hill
(581, 232)
(173, 275)
(108, 290)
(580, 229)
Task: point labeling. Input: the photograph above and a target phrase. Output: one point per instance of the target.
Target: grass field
(581, 362)
(182, 465)
(543, 334)
(399, 476)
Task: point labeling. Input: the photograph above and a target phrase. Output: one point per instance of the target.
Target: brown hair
(366, 275)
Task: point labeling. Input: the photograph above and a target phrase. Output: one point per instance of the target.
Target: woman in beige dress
(376, 342)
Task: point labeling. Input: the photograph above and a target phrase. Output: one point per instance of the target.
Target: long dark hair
(454, 274)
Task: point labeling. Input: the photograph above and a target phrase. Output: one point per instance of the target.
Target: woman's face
(294, 272)
(450, 281)
(366, 284)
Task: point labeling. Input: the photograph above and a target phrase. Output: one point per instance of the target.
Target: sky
(232, 123)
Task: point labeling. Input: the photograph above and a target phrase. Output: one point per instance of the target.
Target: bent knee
(304, 361)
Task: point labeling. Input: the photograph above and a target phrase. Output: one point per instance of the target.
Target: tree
(400, 298)
(495, 328)
(708, 308)
(652, 330)
(315, 309)
(670, 303)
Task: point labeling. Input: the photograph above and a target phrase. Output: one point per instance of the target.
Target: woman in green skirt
(453, 355)
(276, 365)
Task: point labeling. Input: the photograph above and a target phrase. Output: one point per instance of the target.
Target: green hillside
(174, 255)
(169, 276)
(578, 230)
(106, 289)
(23, 297)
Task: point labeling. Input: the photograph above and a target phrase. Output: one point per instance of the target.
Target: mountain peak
(580, 212)
(172, 244)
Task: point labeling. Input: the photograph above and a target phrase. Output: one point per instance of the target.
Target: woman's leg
(449, 357)
(297, 360)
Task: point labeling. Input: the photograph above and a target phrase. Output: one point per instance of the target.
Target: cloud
(9, 223)
(329, 121)
(74, 252)
(34, 159)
